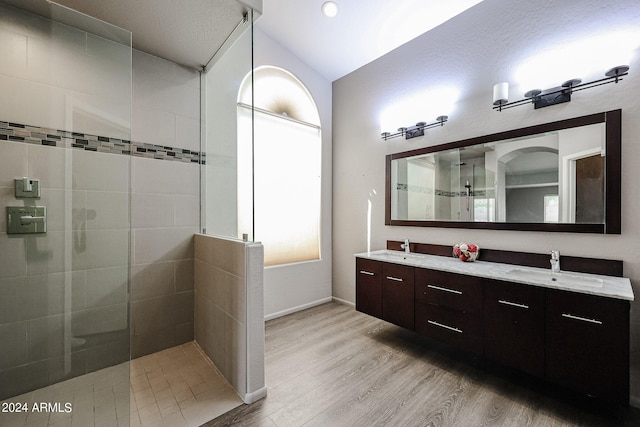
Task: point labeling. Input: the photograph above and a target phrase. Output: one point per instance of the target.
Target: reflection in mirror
(548, 178)
(555, 176)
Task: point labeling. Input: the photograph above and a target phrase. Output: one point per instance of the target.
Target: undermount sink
(402, 255)
(556, 278)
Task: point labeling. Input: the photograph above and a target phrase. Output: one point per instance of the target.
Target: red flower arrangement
(466, 251)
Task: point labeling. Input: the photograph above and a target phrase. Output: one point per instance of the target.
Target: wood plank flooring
(333, 366)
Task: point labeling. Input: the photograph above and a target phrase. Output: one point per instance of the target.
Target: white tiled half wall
(229, 310)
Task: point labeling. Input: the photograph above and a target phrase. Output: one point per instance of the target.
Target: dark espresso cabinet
(576, 340)
(587, 344)
(397, 295)
(514, 326)
(385, 290)
(369, 287)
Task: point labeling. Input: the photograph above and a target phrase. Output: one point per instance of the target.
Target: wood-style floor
(331, 366)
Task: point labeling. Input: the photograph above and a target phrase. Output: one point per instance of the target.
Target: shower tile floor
(177, 387)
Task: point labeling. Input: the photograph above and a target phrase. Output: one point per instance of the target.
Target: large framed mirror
(559, 176)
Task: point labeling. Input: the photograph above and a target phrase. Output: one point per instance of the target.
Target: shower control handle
(27, 188)
(29, 219)
(26, 219)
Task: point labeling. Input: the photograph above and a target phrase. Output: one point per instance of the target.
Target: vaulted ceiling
(189, 32)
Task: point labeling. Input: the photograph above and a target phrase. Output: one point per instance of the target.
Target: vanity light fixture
(417, 130)
(329, 9)
(545, 98)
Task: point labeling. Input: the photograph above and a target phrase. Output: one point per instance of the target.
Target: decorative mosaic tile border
(425, 190)
(17, 132)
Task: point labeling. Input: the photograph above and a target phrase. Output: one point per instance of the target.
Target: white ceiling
(363, 30)
(190, 32)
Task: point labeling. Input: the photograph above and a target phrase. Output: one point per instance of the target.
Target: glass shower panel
(471, 195)
(227, 171)
(65, 126)
(447, 185)
(484, 197)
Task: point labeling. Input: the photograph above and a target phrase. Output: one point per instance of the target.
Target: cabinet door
(514, 319)
(369, 287)
(588, 344)
(397, 295)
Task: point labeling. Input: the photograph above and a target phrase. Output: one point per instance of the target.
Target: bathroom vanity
(570, 328)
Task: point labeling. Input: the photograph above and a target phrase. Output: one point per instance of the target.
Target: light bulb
(330, 9)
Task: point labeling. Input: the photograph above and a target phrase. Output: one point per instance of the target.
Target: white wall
(292, 287)
(472, 52)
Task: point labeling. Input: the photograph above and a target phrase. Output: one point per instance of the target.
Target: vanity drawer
(454, 327)
(398, 273)
(368, 269)
(449, 290)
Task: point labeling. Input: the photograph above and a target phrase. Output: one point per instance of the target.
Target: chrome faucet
(406, 246)
(555, 261)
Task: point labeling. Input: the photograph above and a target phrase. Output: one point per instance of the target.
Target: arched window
(284, 212)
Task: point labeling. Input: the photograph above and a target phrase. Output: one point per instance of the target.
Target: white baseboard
(344, 301)
(635, 401)
(253, 397)
(295, 309)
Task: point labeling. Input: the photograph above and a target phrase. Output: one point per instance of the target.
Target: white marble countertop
(593, 284)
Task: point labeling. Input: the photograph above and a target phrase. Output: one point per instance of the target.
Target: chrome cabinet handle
(368, 273)
(513, 304)
(453, 291)
(395, 279)
(440, 325)
(582, 319)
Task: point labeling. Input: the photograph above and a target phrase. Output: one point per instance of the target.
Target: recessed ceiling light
(330, 9)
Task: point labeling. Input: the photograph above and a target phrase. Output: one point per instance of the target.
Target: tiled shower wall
(165, 217)
(56, 77)
(165, 204)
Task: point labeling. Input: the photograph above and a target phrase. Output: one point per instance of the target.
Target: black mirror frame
(613, 180)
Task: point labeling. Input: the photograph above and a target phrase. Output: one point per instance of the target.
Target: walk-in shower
(99, 212)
